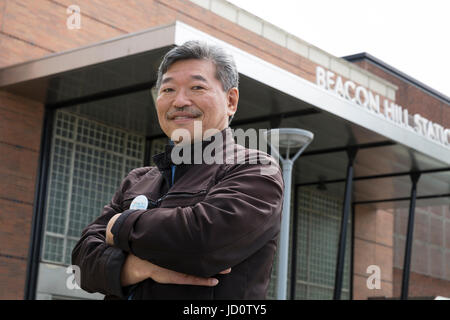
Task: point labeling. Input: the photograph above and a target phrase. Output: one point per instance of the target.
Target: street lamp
(289, 139)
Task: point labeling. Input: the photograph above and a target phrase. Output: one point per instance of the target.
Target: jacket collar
(164, 159)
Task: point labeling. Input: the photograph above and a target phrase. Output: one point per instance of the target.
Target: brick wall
(20, 132)
(430, 261)
(421, 286)
(373, 246)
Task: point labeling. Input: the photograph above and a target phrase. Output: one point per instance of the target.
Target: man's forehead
(191, 68)
(193, 77)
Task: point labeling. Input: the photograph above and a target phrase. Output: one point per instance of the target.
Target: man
(190, 230)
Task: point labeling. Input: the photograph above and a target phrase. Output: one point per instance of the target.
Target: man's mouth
(180, 117)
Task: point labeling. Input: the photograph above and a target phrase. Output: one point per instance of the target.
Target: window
(318, 229)
(88, 162)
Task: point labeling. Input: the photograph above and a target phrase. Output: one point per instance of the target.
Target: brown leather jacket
(212, 217)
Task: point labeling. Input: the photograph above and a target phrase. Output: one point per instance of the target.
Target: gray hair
(226, 71)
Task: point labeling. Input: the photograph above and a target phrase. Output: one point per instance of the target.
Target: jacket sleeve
(238, 216)
(101, 264)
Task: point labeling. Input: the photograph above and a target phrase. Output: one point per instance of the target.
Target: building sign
(372, 102)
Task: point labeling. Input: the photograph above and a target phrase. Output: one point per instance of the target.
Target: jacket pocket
(182, 198)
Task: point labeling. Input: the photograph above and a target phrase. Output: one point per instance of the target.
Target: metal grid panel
(134, 147)
(59, 186)
(90, 190)
(64, 125)
(100, 136)
(320, 215)
(318, 230)
(88, 162)
(130, 164)
(54, 247)
(158, 146)
(323, 249)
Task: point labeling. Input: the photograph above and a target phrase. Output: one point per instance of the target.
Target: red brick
(384, 228)
(401, 221)
(413, 98)
(22, 128)
(362, 292)
(421, 226)
(17, 173)
(421, 286)
(16, 225)
(419, 258)
(365, 255)
(44, 24)
(437, 210)
(2, 9)
(365, 223)
(15, 51)
(447, 265)
(12, 278)
(130, 16)
(436, 231)
(447, 234)
(436, 262)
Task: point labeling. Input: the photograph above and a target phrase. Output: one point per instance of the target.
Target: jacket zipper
(176, 194)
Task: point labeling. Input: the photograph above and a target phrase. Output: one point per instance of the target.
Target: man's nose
(181, 99)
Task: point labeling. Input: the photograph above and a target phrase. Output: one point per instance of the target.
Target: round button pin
(139, 203)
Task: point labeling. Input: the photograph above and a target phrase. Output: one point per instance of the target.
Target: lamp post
(290, 139)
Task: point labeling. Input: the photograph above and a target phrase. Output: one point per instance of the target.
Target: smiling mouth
(184, 117)
(180, 117)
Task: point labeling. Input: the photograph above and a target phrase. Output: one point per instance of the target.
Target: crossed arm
(230, 224)
(136, 269)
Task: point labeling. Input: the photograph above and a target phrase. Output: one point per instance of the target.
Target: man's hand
(136, 270)
(109, 236)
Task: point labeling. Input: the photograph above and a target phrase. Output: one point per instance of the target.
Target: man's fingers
(225, 271)
(163, 275)
(196, 281)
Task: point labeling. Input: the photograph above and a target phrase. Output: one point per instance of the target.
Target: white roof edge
(208, 5)
(99, 52)
(304, 90)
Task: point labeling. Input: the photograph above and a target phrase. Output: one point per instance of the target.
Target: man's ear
(232, 101)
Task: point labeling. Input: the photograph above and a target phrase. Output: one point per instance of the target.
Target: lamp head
(289, 138)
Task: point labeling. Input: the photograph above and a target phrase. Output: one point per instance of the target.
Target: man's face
(191, 92)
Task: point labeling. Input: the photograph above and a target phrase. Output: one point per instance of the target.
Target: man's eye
(197, 88)
(167, 90)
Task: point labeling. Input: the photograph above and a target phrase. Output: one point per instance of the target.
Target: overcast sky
(412, 36)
